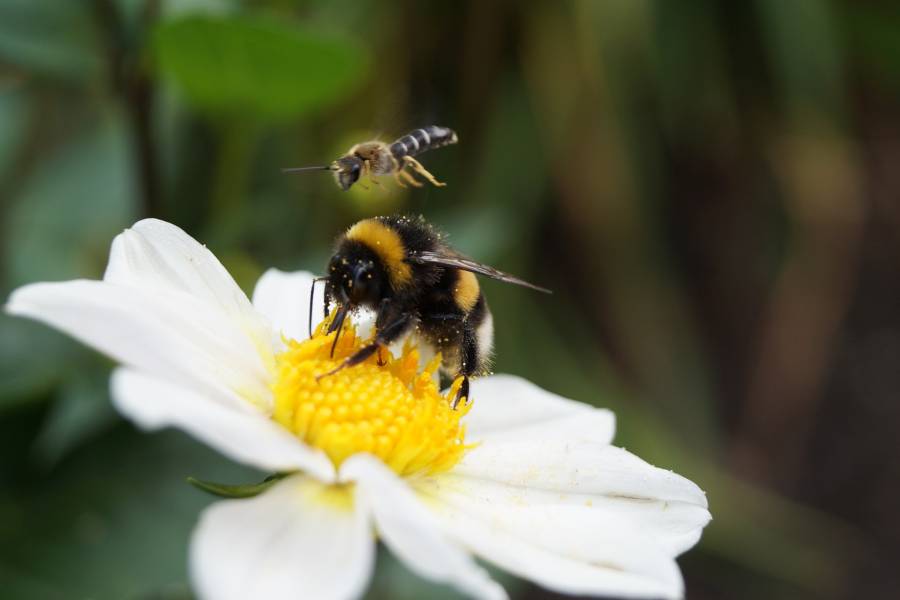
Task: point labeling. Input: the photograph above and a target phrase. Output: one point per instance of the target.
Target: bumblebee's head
(356, 276)
(346, 171)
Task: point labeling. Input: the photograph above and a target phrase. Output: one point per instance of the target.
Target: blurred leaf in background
(253, 66)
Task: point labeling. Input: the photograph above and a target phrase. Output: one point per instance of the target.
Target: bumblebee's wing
(458, 261)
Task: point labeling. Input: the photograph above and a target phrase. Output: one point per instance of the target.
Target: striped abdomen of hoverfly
(421, 140)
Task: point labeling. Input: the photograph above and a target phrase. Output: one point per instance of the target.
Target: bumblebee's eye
(362, 286)
(361, 279)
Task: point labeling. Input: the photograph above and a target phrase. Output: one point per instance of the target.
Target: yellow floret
(393, 409)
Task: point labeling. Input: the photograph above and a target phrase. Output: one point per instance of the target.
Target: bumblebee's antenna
(312, 293)
(299, 169)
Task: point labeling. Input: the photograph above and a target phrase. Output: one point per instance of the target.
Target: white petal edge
(283, 298)
(171, 335)
(669, 527)
(576, 467)
(247, 436)
(154, 255)
(412, 533)
(577, 486)
(629, 571)
(510, 407)
(295, 540)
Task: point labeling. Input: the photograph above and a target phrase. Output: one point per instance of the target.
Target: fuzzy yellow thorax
(386, 406)
(386, 243)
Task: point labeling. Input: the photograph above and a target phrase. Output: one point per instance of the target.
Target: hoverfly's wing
(453, 260)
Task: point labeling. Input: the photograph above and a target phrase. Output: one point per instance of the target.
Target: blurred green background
(711, 189)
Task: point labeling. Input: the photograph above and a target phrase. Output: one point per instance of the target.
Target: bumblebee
(402, 268)
(374, 158)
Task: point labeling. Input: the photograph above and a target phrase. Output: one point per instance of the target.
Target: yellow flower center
(385, 406)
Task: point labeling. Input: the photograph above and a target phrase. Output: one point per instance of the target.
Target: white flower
(535, 487)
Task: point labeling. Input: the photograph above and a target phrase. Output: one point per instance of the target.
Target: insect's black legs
(385, 336)
(462, 394)
(338, 325)
(469, 364)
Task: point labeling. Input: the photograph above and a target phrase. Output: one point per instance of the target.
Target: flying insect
(402, 268)
(375, 158)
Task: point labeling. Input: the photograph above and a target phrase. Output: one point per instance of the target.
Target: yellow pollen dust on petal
(387, 406)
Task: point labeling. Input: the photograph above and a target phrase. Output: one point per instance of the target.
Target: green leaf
(253, 66)
(235, 491)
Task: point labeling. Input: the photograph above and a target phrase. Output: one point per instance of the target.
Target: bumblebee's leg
(470, 364)
(385, 336)
(462, 394)
(418, 168)
(412, 180)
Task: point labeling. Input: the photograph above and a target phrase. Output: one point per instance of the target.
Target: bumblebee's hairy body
(402, 268)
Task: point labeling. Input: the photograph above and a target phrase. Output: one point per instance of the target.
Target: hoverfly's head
(356, 276)
(347, 170)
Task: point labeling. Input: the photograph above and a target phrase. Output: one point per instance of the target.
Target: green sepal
(247, 490)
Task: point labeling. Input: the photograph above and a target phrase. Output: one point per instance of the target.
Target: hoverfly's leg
(367, 170)
(412, 180)
(418, 168)
(381, 361)
(386, 335)
(399, 180)
(395, 171)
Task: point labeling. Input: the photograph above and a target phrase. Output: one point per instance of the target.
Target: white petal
(411, 531)
(621, 568)
(576, 467)
(155, 255)
(512, 408)
(296, 540)
(576, 517)
(283, 298)
(169, 334)
(608, 521)
(246, 436)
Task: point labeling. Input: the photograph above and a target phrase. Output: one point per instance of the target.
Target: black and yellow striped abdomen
(421, 140)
